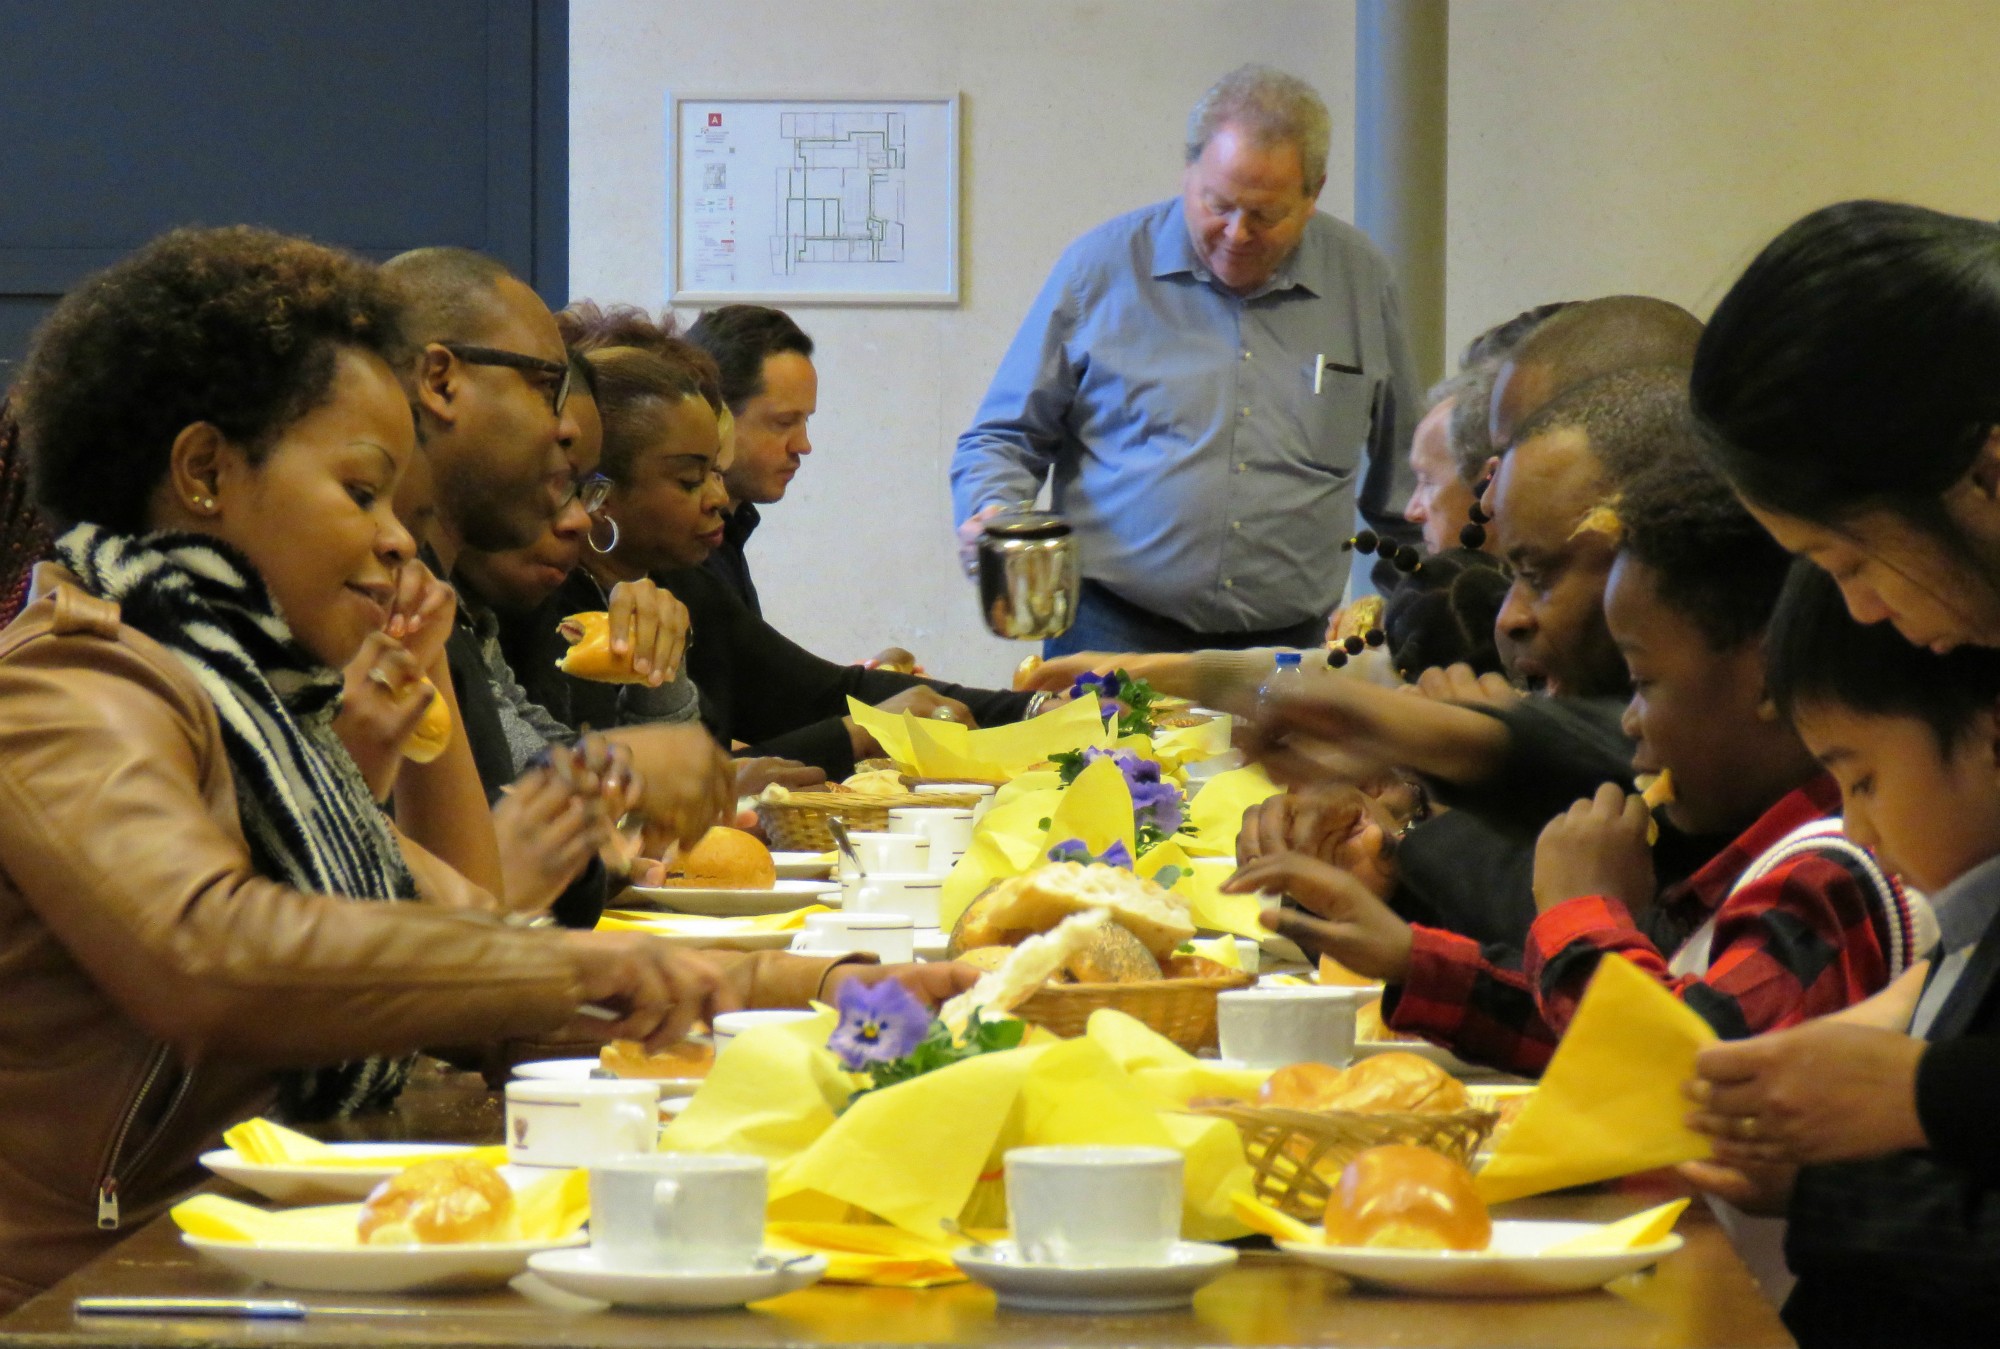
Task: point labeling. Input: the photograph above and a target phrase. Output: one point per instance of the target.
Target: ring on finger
(1746, 1128)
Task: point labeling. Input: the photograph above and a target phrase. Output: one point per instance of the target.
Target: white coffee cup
(885, 852)
(578, 1123)
(889, 935)
(679, 1211)
(1271, 1026)
(912, 894)
(949, 831)
(1094, 1205)
(983, 790)
(729, 1025)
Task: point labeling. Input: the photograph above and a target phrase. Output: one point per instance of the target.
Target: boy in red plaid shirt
(1788, 922)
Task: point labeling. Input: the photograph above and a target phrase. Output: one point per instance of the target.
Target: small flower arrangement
(1159, 811)
(1076, 850)
(1120, 695)
(889, 1036)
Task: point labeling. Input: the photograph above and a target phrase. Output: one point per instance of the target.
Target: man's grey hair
(1272, 107)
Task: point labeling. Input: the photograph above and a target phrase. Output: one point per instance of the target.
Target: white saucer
(1115, 1288)
(931, 943)
(1514, 1265)
(584, 1271)
(780, 898)
(377, 1269)
(803, 866)
(583, 1070)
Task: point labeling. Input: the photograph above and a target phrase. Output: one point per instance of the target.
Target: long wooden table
(1700, 1298)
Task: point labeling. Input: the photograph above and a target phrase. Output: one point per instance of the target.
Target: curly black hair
(237, 327)
(1710, 560)
(588, 326)
(1443, 614)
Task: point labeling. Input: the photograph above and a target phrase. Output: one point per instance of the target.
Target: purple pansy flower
(1106, 687)
(1076, 850)
(1154, 801)
(878, 1023)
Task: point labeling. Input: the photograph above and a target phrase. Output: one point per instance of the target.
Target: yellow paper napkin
(637, 920)
(923, 747)
(1641, 1229)
(1260, 1217)
(1078, 724)
(261, 1142)
(1610, 1103)
(1217, 809)
(548, 1208)
(1212, 910)
(872, 1253)
(889, 730)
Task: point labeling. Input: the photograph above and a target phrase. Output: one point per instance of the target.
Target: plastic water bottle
(1287, 677)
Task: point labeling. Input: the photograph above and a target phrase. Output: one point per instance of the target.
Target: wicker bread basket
(798, 823)
(1298, 1154)
(1183, 1010)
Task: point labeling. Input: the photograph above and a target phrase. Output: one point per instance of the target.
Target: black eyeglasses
(591, 491)
(559, 371)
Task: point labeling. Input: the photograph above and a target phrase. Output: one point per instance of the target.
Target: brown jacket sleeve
(119, 829)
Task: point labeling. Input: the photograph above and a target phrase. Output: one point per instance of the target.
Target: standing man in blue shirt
(1216, 383)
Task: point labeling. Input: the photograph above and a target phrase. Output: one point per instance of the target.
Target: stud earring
(202, 503)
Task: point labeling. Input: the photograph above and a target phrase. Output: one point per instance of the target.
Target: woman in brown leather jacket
(202, 907)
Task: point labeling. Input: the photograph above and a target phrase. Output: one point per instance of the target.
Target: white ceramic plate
(930, 943)
(295, 1184)
(581, 1070)
(1423, 1049)
(780, 898)
(584, 1271)
(379, 1269)
(1068, 1288)
(803, 866)
(1512, 1266)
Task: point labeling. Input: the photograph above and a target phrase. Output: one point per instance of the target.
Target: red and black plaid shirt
(1802, 940)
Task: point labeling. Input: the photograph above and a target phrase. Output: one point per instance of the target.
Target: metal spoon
(845, 844)
(978, 1249)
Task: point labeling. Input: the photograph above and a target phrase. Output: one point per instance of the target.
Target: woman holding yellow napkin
(201, 904)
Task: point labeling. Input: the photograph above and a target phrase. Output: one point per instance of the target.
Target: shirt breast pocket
(1335, 411)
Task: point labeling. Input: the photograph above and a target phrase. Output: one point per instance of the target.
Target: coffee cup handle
(666, 1195)
(645, 1122)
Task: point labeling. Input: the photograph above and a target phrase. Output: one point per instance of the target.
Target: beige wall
(1595, 146)
(1073, 111)
(1654, 145)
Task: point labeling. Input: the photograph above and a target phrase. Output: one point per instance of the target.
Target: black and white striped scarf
(308, 815)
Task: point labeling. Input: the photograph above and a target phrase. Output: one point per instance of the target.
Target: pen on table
(1319, 370)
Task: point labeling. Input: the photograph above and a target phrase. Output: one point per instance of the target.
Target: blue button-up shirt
(1207, 480)
(1965, 910)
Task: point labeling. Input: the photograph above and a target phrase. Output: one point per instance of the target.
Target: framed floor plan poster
(825, 200)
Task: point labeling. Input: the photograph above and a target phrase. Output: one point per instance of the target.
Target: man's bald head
(1582, 343)
(449, 294)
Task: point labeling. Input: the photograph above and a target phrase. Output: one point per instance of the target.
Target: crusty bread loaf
(1039, 899)
(1033, 963)
(1190, 966)
(975, 927)
(1398, 1081)
(1112, 956)
(986, 958)
(445, 1200)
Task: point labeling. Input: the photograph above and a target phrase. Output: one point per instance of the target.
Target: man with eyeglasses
(504, 461)
(1214, 384)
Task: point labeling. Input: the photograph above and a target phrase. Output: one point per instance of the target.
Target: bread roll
(877, 782)
(1112, 956)
(432, 736)
(1409, 1198)
(1398, 1081)
(1369, 1025)
(1301, 1086)
(1026, 671)
(1188, 966)
(725, 859)
(986, 958)
(628, 1058)
(975, 928)
(1040, 899)
(447, 1200)
(1033, 963)
(590, 655)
